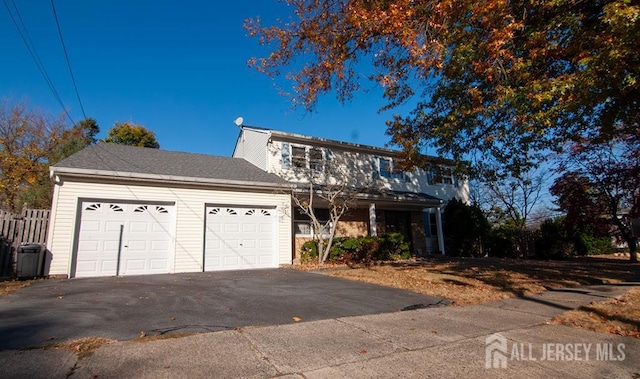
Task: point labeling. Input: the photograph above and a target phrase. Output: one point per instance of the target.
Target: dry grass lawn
(466, 281)
(618, 316)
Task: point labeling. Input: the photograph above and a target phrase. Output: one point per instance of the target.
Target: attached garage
(122, 210)
(240, 238)
(124, 239)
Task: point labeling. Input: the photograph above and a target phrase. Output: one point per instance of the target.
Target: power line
(64, 48)
(24, 35)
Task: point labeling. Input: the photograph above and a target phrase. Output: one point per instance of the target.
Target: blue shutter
(375, 168)
(286, 159)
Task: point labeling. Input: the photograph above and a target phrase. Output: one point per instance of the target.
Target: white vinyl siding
(252, 146)
(368, 165)
(190, 204)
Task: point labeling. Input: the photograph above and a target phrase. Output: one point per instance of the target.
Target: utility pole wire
(24, 35)
(66, 55)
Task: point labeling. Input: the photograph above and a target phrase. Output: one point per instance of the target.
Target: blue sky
(178, 68)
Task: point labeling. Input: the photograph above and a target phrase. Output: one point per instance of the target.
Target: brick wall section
(356, 224)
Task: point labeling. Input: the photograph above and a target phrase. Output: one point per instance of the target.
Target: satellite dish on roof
(239, 121)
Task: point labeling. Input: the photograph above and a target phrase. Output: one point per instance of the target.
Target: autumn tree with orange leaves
(504, 80)
(26, 138)
(31, 141)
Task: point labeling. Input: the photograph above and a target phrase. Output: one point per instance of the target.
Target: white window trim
(307, 156)
(399, 175)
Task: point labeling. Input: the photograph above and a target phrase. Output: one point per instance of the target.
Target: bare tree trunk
(632, 242)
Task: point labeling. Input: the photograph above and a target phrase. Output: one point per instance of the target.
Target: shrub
(501, 242)
(591, 245)
(552, 242)
(394, 247)
(361, 251)
(465, 229)
(309, 252)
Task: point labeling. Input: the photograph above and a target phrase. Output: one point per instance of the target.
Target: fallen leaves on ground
(83, 347)
(466, 281)
(11, 286)
(618, 316)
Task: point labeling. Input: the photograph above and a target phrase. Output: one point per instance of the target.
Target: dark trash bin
(29, 263)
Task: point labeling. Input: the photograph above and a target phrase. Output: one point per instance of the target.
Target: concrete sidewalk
(444, 342)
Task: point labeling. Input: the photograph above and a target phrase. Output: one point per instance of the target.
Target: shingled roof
(107, 159)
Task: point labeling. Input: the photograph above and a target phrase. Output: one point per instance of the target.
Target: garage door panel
(89, 246)
(140, 232)
(110, 246)
(239, 238)
(160, 227)
(232, 228)
(159, 264)
(134, 265)
(159, 245)
(91, 226)
(266, 244)
(112, 226)
(139, 226)
(133, 246)
(265, 259)
(266, 228)
(249, 228)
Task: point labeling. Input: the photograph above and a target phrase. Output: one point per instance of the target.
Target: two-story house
(390, 199)
(123, 210)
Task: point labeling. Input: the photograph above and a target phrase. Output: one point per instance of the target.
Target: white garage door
(239, 238)
(124, 239)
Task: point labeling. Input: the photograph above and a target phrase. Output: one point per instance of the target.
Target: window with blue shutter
(374, 168)
(285, 160)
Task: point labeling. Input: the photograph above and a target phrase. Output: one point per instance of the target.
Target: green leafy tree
(503, 79)
(75, 139)
(127, 133)
(465, 229)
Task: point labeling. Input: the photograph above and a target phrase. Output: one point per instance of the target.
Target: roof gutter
(105, 174)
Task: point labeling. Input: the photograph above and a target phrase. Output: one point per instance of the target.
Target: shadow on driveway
(121, 308)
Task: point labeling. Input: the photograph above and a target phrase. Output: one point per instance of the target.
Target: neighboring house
(121, 210)
(391, 200)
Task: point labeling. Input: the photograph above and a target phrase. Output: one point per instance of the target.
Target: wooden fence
(16, 229)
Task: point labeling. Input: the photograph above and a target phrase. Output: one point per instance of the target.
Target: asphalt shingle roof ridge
(134, 159)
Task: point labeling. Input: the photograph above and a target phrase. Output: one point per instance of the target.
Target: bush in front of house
(394, 247)
(360, 250)
(309, 252)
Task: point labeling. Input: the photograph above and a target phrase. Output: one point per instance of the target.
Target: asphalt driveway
(121, 308)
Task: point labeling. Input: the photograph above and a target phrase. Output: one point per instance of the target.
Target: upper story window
(387, 168)
(441, 175)
(316, 159)
(303, 157)
(298, 156)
